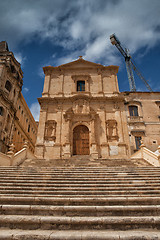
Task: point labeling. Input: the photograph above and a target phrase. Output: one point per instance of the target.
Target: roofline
(80, 60)
(128, 92)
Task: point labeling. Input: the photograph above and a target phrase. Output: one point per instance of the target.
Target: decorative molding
(133, 102)
(81, 77)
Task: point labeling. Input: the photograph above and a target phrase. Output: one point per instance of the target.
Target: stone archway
(81, 140)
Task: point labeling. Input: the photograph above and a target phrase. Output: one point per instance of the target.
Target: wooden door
(81, 140)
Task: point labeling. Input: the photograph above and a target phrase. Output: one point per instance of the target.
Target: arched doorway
(81, 140)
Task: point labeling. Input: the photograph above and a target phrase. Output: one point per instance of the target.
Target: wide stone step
(107, 175)
(18, 234)
(148, 210)
(80, 196)
(82, 171)
(80, 181)
(77, 223)
(81, 192)
(78, 166)
(80, 178)
(47, 188)
(79, 201)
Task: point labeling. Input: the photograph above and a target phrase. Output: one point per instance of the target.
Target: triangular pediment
(81, 63)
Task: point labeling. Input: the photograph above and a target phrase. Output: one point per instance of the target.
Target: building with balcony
(142, 112)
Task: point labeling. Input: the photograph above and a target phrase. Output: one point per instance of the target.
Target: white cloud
(25, 89)
(40, 71)
(20, 58)
(83, 24)
(77, 30)
(35, 110)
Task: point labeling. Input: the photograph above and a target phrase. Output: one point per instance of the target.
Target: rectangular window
(80, 86)
(133, 111)
(138, 142)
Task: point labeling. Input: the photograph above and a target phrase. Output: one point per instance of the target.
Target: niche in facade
(50, 130)
(111, 130)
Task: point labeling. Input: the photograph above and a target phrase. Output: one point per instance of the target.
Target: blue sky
(54, 32)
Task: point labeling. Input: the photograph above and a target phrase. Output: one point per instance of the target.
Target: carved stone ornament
(50, 130)
(81, 106)
(116, 105)
(81, 77)
(111, 129)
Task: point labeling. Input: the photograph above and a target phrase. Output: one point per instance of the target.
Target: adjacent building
(143, 119)
(17, 124)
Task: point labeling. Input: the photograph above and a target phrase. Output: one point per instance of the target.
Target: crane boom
(129, 65)
(141, 77)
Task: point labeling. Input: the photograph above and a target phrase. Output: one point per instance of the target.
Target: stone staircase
(80, 202)
(84, 161)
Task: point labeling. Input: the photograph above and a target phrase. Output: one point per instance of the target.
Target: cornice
(119, 98)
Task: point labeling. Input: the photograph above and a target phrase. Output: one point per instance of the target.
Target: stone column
(46, 86)
(93, 148)
(159, 154)
(120, 127)
(104, 142)
(39, 149)
(67, 144)
(122, 146)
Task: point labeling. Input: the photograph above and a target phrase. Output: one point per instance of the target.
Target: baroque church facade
(83, 113)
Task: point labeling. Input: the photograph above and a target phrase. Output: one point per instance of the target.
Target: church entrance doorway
(81, 140)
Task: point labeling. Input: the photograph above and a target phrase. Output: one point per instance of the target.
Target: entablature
(46, 100)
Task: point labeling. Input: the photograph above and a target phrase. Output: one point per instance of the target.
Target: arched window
(133, 111)
(1, 111)
(80, 86)
(8, 86)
